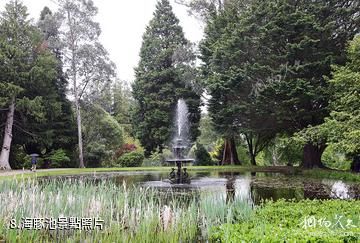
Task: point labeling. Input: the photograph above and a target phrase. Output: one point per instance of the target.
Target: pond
(246, 186)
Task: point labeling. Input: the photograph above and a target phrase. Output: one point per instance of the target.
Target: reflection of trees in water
(230, 189)
(260, 193)
(230, 184)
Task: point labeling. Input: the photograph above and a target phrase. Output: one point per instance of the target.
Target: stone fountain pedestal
(180, 176)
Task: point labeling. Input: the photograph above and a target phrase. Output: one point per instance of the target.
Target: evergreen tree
(265, 62)
(165, 61)
(299, 42)
(342, 127)
(27, 69)
(223, 77)
(58, 129)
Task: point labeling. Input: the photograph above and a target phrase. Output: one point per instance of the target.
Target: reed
(130, 214)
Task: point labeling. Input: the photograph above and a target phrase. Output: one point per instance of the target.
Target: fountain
(180, 145)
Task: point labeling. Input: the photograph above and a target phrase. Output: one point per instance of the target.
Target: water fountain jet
(180, 145)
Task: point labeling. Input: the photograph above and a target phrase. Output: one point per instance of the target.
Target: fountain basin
(180, 160)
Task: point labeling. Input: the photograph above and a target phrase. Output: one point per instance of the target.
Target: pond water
(250, 186)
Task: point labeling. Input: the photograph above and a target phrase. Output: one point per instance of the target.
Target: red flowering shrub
(126, 148)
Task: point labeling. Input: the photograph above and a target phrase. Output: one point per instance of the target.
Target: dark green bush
(202, 157)
(132, 159)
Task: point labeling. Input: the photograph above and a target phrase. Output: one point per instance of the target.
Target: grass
(304, 221)
(331, 174)
(130, 214)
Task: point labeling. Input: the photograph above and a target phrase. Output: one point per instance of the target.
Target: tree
(300, 41)
(208, 135)
(24, 65)
(123, 105)
(85, 59)
(103, 135)
(265, 64)
(162, 78)
(225, 82)
(342, 127)
(58, 128)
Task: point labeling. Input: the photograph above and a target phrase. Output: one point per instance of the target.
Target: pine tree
(26, 67)
(164, 62)
(300, 41)
(58, 129)
(264, 65)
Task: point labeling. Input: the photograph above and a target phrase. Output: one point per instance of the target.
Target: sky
(123, 24)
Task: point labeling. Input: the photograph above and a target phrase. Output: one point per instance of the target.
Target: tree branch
(23, 130)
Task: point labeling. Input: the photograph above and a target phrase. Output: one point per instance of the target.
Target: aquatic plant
(132, 214)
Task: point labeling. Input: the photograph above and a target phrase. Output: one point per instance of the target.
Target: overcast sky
(123, 24)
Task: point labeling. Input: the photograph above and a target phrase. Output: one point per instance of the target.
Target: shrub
(288, 221)
(335, 159)
(96, 152)
(202, 156)
(157, 159)
(126, 148)
(57, 158)
(217, 153)
(132, 159)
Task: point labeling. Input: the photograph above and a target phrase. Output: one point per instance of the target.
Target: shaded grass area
(311, 173)
(330, 174)
(304, 221)
(132, 214)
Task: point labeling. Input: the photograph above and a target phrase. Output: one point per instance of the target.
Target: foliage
(123, 105)
(57, 159)
(163, 75)
(343, 125)
(27, 74)
(132, 159)
(86, 62)
(59, 130)
(265, 65)
(334, 158)
(103, 135)
(208, 135)
(243, 154)
(158, 158)
(138, 210)
(125, 148)
(202, 156)
(284, 150)
(217, 154)
(282, 221)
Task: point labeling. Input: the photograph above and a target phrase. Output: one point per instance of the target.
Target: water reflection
(231, 186)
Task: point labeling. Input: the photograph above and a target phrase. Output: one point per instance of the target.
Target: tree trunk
(355, 165)
(5, 151)
(80, 142)
(78, 115)
(230, 156)
(75, 90)
(252, 159)
(312, 156)
(251, 149)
